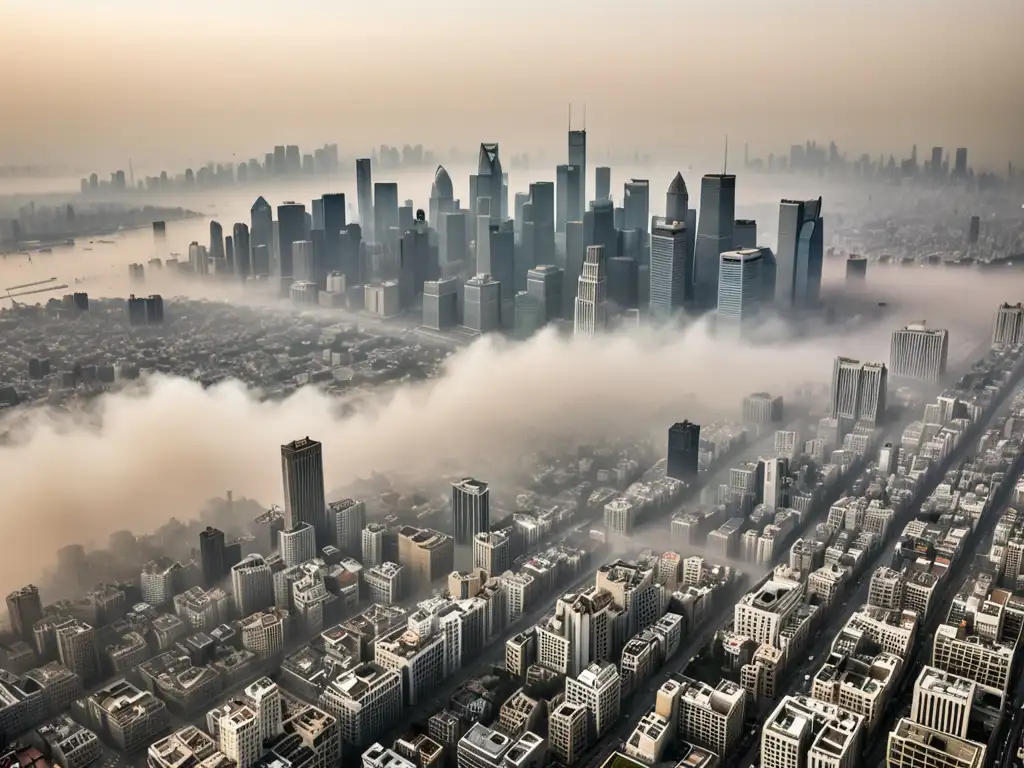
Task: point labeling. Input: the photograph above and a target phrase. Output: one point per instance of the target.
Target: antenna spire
(570, 115)
(725, 166)
(584, 116)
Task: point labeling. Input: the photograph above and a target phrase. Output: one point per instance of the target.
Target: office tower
(637, 202)
(482, 236)
(803, 731)
(912, 745)
(858, 390)
(364, 197)
(316, 220)
(335, 219)
(935, 166)
(502, 255)
(297, 544)
(975, 230)
(677, 200)
(799, 254)
(917, 352)
(762, 408)
(943, 701)
(1008, 327)
(542, 198)
(291, 228)
(216, 240)
(489, 178)
(211, 555)
(252, 584)
(372, 545)
(623, 276)
(774, 472)
(441, 303)
(528, 315)
(567, 732)
(303, 261)
(265, 698)
(740, 288)
(452, 242)
(599, 689)
(442, 197)
(481, 304)
(24, 609)
(492, 551)
(426, 554)
(77, 650)
(262, 228)
(471, 510)
(385, 215)
(599, 228)
(575, 255)
(417, 262)
(238, 733)
(960, 166)
(578, 158)
(242, 254)
(504, 196)
(683, 451)
(302, 469)
(261, 260)
(714, 234)
(856, 269)
(591, 310)
(603, 183)
(350, 254)
(406, 216)
(346, 520)
(744, 234)
(544, 282)
(521, 199)
(668, 268)
(568, 181)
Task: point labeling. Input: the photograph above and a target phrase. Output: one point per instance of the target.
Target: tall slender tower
(578, 157)
(714, 234)
(364, 197)
(591, 305)
(489, 179)
(302, 469)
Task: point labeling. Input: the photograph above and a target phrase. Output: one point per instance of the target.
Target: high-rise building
(578, 158)
(304, 266)
(943, 701)
(77, 650)
(335, 219)
(502, 254)
(302, 469)
(762, 408)
(453, 243)
(364, 198)
(442, 197)
(960, 164)
(542, 200)
(373, 545)
(261, 232)
(297, 544)
(481, 304)
(740, 289)
(367, 700)
(714, 234)
(591, 315)
(800, 253)
(575, 255)
(974, 232)
(347, 519)
(24, 608)
(1008, 326)
(803, 731)
(668, 268)
(211, 555)
(385, 215)
(243, 253)
(935, 166)
(744, 234)
(216, 240)
(599, 689)
(489, 178)
(856, 269)
(492, 551)
(291, 228)
(637, 204)
(917, 352)
(471, 510)
(568, 183)
(603, 183)
(238, 733)
(441, 303)
(858, 390)
(425, 554)
(912, 745)
(544, 283)
(677, 200)
(683, 451)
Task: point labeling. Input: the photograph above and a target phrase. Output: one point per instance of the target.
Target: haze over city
(565, 385)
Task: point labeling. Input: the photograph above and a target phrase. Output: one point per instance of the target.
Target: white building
(238, 729)
(567, 732)
(591, 308)
(711, 717)
(420, 660)
(158, 582)
(384, 583)
(252, 582)
(912, 744)
(805, 732)
(366, 700)
(264, 698)
(297, 544)
(263, 633)
(740, 289)
(599, 689)
(943, 701)
(920, 353)
(373, 545)
(761, 615)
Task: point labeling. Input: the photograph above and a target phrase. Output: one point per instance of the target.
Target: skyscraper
(858, 390)
(453, 249)
(744, 234)
(385, 215)
(24, 609)
(335, 220)
(799, 254)
(489, 178)
(243, 255)
(917, 352)
(211, 555)
(502, 252)
(603, 182)
(544, 282)
(216, 240)
(960, 165)
(569, 180)
(575, 255)
(481, 305)
(591, 315)
(262, 231)
(302, 469)
(637, 202)
(578, 158)
(441, 303)
(442, 197)
(683, 451)
(677, 200)
(364, 197)
(542, 198)
(291, 227)
(471, 510)
(1008, 326)
(714, 234)
(668, 268)
(740, 288)
(935, 166)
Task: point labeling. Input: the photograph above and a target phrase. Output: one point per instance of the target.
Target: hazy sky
(170, 83)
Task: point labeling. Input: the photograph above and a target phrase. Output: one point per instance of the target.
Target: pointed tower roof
(678, 186)
(442, 188)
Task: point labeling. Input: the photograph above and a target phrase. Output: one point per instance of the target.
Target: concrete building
(806, 732)
(858, 390)
(427, 555)
(567, 732)
(297, 544)
(492, 551)
(943, 701)
(252, 583)
(366, 700)
(920, 353)
(912, 744)
(481, 304)
(710, 717)
(591, 308)
(761, 615)
(598, 688)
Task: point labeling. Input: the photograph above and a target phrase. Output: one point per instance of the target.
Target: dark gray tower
(291, 228)
(568, 182)
(243, 256)
(335, 220)
(638, 205)
(603, 182)
(542, 198)
(489, 179)
(578, 158)
(442, 197)
(683, 451)
(364, 197)
(471, 510)
(799, 254)
(216, 240)
(302, 470)
(714, 234)
(262, 232)
(677, 200)
(385, 215)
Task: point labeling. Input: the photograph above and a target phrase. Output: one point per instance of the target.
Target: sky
(171, 84)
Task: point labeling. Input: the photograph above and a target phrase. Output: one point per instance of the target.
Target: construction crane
(29, 285)
(47, 289)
